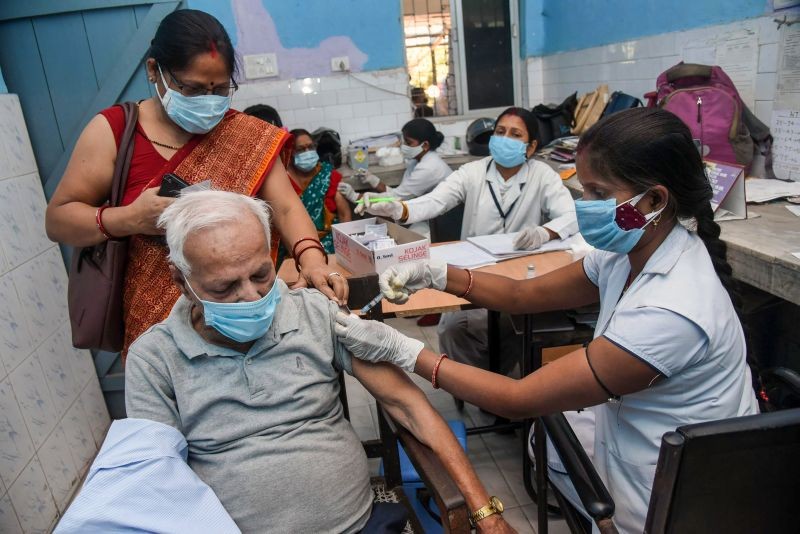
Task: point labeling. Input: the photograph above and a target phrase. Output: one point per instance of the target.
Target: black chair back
(447, 226)
(738, 475)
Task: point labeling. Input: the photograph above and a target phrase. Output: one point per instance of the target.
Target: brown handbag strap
(123, 164)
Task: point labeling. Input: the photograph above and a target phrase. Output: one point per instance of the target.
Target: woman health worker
(668, 350)
(505, 192)
(425, 169)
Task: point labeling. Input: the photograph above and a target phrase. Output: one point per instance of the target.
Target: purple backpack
(708, 102)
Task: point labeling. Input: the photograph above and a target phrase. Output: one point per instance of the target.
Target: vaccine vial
(531, 271)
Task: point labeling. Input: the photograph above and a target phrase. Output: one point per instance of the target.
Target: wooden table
(429, 301)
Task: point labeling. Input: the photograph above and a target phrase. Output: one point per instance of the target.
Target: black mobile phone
(171, 186)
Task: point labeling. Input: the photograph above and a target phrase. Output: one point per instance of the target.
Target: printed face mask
(608, 226)
(507, 152)
(195, 114)
(241, 321)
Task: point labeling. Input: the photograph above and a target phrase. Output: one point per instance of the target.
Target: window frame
(457, 31)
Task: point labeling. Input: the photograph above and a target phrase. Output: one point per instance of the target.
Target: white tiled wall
(633, 66)
(52, 413)
(358, 105)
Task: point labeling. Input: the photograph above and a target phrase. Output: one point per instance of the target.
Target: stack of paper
(764, 190)
(501, 246)
(562, 149)
(464, 255)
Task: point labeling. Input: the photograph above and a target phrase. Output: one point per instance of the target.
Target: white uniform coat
(535, 196)
(677, 317)
(420, 178)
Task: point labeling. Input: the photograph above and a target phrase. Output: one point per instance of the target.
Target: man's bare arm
(409, 406)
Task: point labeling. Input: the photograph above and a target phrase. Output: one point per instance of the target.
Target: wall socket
(340, 64)
(260, 66)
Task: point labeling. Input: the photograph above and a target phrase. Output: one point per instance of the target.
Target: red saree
(236, 156)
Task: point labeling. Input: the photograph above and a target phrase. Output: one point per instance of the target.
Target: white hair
(204, 209)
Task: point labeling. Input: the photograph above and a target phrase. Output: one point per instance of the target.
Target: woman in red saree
(186, 129)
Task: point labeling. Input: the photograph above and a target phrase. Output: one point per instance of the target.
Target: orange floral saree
(236, 156)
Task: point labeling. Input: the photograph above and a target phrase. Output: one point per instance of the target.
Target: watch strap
(483, 512)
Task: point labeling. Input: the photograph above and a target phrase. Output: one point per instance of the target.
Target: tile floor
(497, 459)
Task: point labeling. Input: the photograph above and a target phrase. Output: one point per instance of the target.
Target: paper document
(464, 255)
(764, 189)
(501, 246)
(785, 130)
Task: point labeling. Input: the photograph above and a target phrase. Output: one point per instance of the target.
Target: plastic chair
(447, 226)
(736, 475)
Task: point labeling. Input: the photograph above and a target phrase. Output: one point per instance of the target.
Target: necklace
(164, 145)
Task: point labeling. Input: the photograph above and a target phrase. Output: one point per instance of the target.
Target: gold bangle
(469, 285)
(404, 215)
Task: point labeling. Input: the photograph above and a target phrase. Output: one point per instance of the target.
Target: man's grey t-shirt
(265, 429)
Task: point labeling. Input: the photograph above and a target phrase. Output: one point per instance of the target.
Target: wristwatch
(494, 507)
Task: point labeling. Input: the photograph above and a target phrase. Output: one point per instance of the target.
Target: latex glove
(373, 341)
(347, 191)
(398, 282)
(364, 176)
(531, 238)
(392, 210)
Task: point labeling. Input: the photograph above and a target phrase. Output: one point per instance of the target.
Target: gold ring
(334, 273)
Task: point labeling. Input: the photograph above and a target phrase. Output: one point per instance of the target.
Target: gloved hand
(531, 238)
(398, 282)
(392, 209)
(373, 341)
(347, 191)
(364, 176)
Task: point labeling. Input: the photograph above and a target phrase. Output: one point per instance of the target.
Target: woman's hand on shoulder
(143, 213)
(326, 279)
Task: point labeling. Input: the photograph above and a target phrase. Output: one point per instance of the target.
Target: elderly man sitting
(247, 371)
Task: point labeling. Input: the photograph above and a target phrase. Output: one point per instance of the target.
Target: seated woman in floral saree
(316, 182)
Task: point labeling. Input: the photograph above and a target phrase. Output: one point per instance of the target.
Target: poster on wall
(785, 129)
(736, 52)
(787, 93)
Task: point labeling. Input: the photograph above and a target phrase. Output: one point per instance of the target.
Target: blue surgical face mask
(241, 321)
(507, 152)
(195, 114)
(599, 222)
(305, 161)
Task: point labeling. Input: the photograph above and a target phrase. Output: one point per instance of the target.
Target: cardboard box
(359, 260)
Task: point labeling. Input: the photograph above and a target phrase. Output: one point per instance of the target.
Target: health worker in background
(506, 192)
(668, 349)
(425, 169)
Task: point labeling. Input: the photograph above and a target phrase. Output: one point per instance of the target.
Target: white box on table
(358, 259)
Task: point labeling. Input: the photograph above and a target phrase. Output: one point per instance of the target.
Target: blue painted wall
(532, 36)
(373, 26)
(3, 88)
(552, 26)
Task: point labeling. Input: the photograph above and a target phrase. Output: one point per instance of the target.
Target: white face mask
(410, 152)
